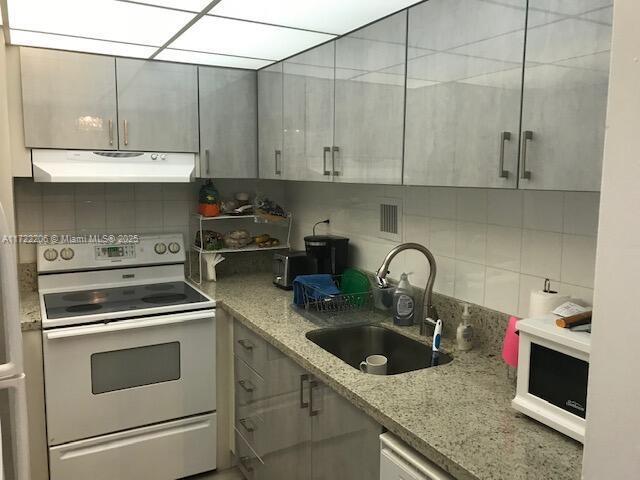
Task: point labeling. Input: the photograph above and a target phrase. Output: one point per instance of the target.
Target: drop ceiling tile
(313, 71)
(505, 48)
(98, 19)
(246, 39)
(62, 42)
(567, 39)
(189, 5)
(510, 79)
(351, 53)
(566, 7)
(200, 58)
(347, 73)
(331, 16)
(557, 77)
(445, 67)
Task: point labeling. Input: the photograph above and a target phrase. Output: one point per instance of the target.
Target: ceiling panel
(62, 42)
(200, 58)
(331, 16)
(245, 39)
(190, 5)
(444, 67)
(98, 19)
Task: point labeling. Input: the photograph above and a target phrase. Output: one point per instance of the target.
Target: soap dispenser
(464, 333)
(404, 305)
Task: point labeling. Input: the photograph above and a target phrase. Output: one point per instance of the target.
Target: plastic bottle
(464, 333)
(404, 305)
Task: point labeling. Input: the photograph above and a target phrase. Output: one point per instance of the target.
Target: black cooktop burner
(120, 299)
(165, 298)
(84, 307)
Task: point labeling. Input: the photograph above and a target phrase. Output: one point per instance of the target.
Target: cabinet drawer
(250, 465)
(250, 388)
(250, 348)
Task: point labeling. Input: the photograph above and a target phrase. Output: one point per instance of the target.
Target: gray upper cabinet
(369, 103)
(270, 121)
(69, 100)
(308, 114)
(464, 76)
(228, 123)
(157, 106)
(565, 95)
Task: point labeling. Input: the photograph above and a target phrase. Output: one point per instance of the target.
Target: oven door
(111, 377)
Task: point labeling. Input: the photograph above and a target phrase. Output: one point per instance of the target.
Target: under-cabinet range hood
(111, 166)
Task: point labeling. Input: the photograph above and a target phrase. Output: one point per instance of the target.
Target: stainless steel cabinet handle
(504, 137)
(303, 378)
(246, 344)
(110, 132)
(334, 151)
(244, 463)
(527, 136)
(126, 132)
(247, 425)
(278, 157)
(312, 385)
(207, 160)
(324, 161)
(247, 386)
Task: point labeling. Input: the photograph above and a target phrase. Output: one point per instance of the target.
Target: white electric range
(129, 361)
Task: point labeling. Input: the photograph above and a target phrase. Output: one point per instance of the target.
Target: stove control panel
(156, 249)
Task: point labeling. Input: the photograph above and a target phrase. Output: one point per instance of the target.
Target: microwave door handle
(10, 314)
(126, 325)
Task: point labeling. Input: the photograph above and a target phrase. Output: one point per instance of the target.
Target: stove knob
(174, 247)
(50, 254)
(160, 248)
(67, 253)
(154, 156)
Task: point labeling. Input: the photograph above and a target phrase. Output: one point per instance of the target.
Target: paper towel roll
(542, 303)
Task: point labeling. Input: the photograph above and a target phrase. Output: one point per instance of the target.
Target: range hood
(111, 166)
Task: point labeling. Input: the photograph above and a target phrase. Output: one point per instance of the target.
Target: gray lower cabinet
(369, 103)
(228, 123)
(290, 425)
(308, 114)
(463, 93)
(157, 106)
(68, 100)
(270, 84)
(565, 95)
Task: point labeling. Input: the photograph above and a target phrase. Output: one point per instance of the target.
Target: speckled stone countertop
(30, 318)
(457, 415)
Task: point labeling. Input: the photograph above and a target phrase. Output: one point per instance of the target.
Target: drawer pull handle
(247, 425)
(246, 344)
(247, 386)
(312, 385)
(303, 378)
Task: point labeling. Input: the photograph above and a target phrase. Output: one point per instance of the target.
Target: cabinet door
(464, 78)
(157, 106)
(345, 441)
(228, 123)
(308, 114)
(369, 103)
(565, 96)
(270, 121)
(68, 100)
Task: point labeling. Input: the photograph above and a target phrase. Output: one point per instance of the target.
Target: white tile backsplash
(492, 246)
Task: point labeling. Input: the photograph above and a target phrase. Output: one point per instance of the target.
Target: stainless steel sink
(354, 343)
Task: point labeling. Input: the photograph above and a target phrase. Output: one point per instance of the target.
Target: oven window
(135, 367)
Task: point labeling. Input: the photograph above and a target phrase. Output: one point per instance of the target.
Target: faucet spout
(430, 315)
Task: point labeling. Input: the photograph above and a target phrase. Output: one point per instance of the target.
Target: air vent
(390, 218)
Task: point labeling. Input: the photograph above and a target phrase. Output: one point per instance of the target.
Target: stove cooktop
(120, 299)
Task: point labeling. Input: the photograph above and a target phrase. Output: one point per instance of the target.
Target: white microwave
(553, 369)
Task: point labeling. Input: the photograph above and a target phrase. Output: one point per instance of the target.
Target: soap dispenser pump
(464, 333)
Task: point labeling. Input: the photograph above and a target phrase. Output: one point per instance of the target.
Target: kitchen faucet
(430, 315)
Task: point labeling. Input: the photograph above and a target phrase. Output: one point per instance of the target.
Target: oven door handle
(123, 325)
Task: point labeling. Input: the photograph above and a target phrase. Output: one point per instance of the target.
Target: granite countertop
(30, 318)
(457, 415)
